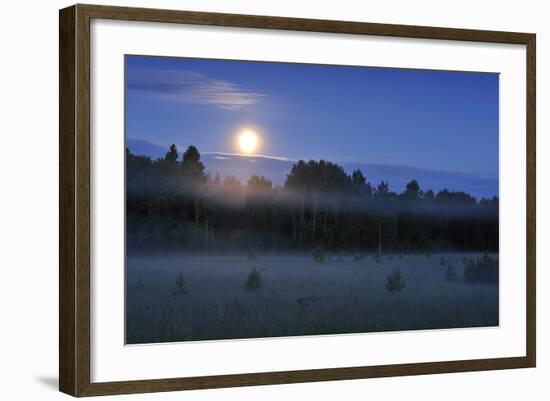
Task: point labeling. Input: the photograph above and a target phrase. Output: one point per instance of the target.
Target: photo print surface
(282, 199)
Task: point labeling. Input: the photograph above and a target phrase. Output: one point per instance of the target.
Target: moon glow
(248, 141)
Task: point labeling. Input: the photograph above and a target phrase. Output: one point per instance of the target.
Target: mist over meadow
(327, 253)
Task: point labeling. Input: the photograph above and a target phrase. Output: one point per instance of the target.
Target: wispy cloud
(224, 154)
(192, 88)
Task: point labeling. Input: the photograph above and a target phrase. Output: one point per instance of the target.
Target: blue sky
(428, 119)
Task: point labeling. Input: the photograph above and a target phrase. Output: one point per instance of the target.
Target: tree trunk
(314, 219)
(197, 211)
(295, 236)
(302, 218)
(325, 220)
(379, 239)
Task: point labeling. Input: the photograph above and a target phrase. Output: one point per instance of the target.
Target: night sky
(427, 119)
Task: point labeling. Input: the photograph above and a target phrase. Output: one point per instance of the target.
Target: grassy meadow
(181, 298)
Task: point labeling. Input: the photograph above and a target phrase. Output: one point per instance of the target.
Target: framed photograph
(250, 200)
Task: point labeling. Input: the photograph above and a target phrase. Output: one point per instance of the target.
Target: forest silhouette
(172, 204)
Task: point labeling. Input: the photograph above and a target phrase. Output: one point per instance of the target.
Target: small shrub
(482, 270)
(305, 302)
(358, 257)
(253, 281)
(181, 285)
(394, 282)
(318, 255)
(442, 261)
(377, 258)
(251, 254)
(140, 285)
(450, 274)
(428, 255)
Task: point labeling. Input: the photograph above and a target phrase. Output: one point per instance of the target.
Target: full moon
(248, 141)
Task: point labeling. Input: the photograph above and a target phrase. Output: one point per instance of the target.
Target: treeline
(172, 204)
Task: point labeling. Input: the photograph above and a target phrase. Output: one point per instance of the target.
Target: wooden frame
(74, 205)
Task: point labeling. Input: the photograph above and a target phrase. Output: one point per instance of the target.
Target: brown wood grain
(531, 230)
(67, 294)
(74, 199)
